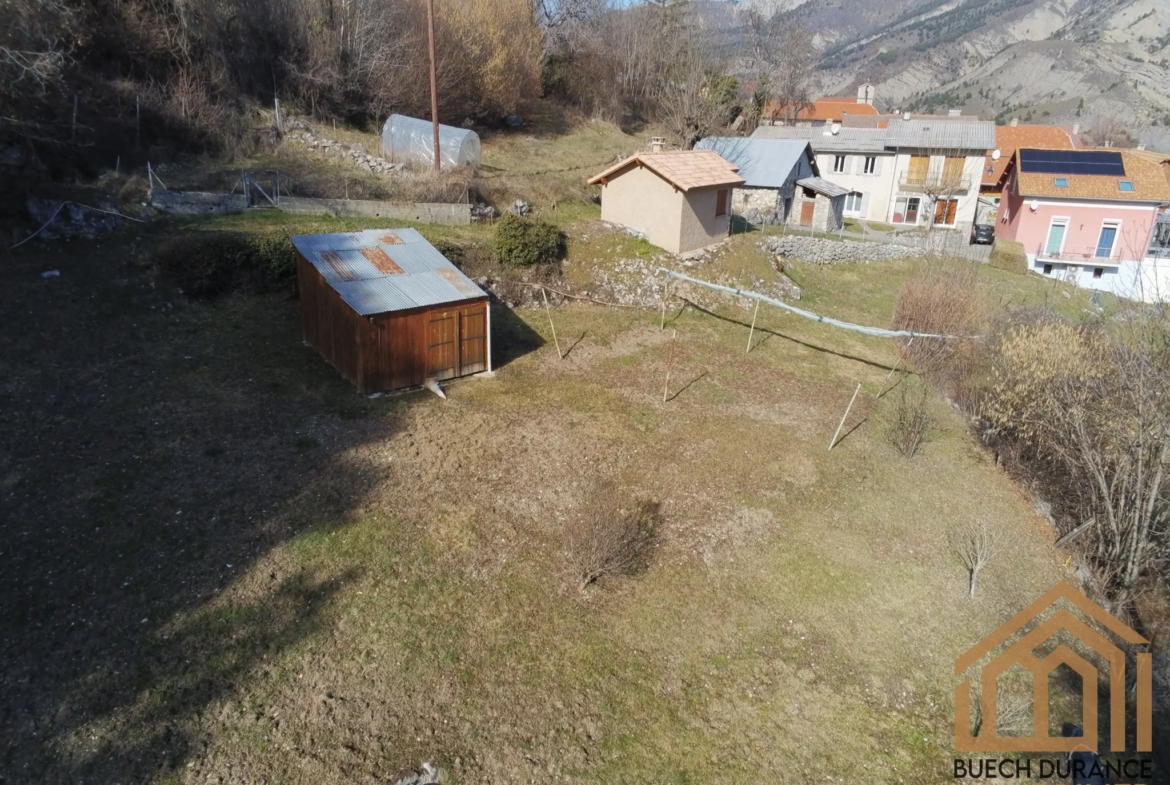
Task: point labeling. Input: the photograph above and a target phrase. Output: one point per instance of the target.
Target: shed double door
(456, 342)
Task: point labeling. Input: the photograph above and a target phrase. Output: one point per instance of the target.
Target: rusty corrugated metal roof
(380, 270)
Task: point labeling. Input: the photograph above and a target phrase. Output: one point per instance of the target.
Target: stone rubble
(357, 153)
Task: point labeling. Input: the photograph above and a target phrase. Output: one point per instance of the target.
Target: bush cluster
(525, 242)
(1008, 256)
(209, 264)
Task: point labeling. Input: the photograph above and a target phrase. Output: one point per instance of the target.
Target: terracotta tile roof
(1009, 138)
(826, 109)
(686, 170)
(1148, 178)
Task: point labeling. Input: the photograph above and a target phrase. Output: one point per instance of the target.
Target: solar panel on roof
(1091, 162)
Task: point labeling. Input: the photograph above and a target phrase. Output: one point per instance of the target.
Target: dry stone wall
(818, 250)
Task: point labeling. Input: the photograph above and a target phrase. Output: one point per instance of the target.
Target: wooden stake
(753, 330)
(548, 310)
(73, 131)
(669, 365)
(434, 79)
(137, 122)
(882, 391)
(844, 416)
(665, 291)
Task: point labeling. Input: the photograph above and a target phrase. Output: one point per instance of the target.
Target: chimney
(954, 112)
(657, 144)
(1141, 147)
(1076, 128)
(865, 94)
(905, 115)
(1015, 122)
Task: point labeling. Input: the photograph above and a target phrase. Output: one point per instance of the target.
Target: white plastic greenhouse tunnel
(410, 140)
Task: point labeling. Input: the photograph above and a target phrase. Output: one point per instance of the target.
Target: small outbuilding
(770, 169)
(818, 204)
(678, 200)
(387, 310)
(410, 140)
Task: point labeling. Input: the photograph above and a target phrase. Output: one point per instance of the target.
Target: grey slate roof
(426, 277)
(823, 187)
(847, 140)
(942, 134)
(763, 163)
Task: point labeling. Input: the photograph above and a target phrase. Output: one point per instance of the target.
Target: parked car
(982, 234)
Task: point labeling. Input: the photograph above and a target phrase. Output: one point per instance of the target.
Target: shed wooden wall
(392, 350)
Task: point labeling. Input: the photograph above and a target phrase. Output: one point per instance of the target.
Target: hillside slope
(1052, 60)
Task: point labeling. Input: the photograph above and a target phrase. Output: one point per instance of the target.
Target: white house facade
(913, 172)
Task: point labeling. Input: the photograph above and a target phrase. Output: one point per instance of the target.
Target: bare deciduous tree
(612, 535)
(911, 417)
(1090, 405)
(975, 545)
(782, 57)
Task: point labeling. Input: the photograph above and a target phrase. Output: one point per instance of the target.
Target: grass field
(223, 564)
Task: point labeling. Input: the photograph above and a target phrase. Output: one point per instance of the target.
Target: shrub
(524, 242)
(1086, 410)
(911, 419)
(612, 535)
(942, 298)
(1009, 256)
(208, 264)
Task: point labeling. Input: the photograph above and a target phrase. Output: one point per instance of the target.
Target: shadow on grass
(152, 452)
(686, 386)
(778, 334)
(574, 346)
(512, 338)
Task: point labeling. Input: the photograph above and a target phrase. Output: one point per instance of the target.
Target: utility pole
(434, 79)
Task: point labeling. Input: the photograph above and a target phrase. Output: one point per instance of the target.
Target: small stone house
(770, 168)
(678, 200)
(817, 205)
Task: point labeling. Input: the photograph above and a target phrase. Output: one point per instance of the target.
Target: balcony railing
(934, 183)
(1088, 257)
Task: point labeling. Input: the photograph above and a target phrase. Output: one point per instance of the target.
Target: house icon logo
(1021, 653)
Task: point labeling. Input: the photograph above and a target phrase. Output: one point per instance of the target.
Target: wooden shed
(387, 310)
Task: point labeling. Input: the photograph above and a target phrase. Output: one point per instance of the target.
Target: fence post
(73, 129)
(669, 365)
(753, 330)
(137, 123)
(548, 311)
(844, 416)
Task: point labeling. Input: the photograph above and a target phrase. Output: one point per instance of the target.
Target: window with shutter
(952, 173)
(721, 202)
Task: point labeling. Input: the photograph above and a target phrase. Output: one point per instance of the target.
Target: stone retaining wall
(196, 203)
(818, 250)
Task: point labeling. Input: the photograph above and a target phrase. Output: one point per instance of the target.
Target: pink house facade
(1088, 218)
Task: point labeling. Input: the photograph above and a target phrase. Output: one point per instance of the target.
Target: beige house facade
(679, 201)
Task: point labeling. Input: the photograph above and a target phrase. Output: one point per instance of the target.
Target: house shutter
(858, 164)
(865, 205)
(877, 165)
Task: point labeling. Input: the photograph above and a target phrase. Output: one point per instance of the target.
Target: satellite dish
(1034, 204)
(995, 155)
(835, 128)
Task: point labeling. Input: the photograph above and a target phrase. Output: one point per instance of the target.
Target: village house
(770, 169)
(678, 200)
(821, 111)
(1008, 139)
(1087, 217)
(914, 171)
